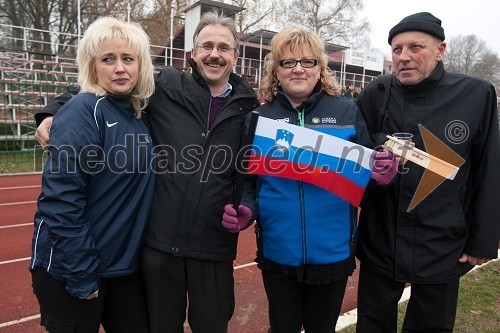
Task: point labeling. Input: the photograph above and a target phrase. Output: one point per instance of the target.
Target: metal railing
(36, 65)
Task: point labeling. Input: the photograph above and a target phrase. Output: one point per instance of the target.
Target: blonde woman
(306, 235)
(97, 190)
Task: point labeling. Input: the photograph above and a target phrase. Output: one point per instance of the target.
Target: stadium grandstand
(36, 65)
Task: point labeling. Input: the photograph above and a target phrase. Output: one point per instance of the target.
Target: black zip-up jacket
(195, 166)
(460, 215)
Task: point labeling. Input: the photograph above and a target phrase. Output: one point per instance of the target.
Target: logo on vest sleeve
(328, 120)
(285, 120)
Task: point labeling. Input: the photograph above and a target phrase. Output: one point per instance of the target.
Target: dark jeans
(169, 280)
(295, 304)
(431, 307)
(120, 306)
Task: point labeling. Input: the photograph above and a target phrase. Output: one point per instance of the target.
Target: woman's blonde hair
(296, 37)
(109, 28)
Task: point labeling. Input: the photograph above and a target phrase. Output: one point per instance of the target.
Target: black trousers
(295, 304)
(171, 281)
(431, 307)
(120, 307)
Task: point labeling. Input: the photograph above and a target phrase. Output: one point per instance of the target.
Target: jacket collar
(307, 105)
(429, 82)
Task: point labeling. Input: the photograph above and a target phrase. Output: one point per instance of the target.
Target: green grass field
(21, 162)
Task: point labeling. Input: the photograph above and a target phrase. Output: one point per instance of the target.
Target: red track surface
(17, 303)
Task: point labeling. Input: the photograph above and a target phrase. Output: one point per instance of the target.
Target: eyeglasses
(291, 63)
(221, 49)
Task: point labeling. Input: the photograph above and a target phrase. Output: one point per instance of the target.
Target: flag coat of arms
(289, 151)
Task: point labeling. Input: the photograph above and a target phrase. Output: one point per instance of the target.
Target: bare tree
(470, 55)
(66, 22)
(60, 17)
(9, 14)
(488, 68)
(336, 21)
(258, 14)
(463, 52)
(156, 21)
(34, 13)
(99, 8)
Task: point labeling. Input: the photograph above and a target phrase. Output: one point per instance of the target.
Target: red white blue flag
(288, 151)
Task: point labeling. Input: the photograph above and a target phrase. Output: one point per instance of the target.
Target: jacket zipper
(354, 219)
(300, 120)
(303, 222)
(208, 118)
(175, 248)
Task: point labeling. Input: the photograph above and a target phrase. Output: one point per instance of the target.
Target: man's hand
(472, 260)
(43, 132)
(235, 221)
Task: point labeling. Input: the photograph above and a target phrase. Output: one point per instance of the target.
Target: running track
(18, 306)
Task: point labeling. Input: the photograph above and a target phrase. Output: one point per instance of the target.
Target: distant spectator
(355, 93)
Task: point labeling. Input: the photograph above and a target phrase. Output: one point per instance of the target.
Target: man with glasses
(196, 120)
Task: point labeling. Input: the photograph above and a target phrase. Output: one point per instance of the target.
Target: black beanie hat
(424, 22)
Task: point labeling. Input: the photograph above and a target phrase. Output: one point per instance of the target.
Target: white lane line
(17, 203)
(15, 225)
(18, 321)
(346, 319)
(14, 260)
(245, 265)
(36, 173)
(19, 187)
(15, 322)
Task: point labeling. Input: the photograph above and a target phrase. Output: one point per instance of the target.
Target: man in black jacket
(197, 122)
(456, 226)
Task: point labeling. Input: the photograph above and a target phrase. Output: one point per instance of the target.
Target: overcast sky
(459, 17)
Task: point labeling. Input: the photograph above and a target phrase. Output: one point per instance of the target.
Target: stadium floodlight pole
(128, 12)
(171, 32)
(79, 23)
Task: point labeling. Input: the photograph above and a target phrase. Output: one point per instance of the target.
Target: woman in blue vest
(306, 235)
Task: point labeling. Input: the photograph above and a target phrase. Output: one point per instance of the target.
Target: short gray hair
(214, 18)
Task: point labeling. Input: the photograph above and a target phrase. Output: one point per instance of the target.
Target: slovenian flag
(288, 151)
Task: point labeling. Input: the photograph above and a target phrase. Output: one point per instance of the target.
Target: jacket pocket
(459, 226)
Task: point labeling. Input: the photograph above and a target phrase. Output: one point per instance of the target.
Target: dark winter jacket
(195, 165)
(460, 215)
(97, 191)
